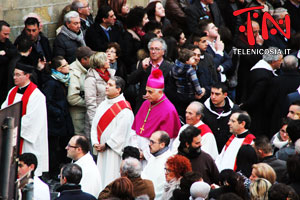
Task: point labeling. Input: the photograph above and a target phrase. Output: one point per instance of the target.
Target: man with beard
(239, 123)
(190, 147)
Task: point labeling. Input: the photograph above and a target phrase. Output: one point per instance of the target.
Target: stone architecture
(13, 11)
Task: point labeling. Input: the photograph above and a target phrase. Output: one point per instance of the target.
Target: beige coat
(76, 96)
(94, 91)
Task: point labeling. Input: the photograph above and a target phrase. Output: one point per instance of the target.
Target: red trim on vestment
(248, 139)
(11, 97)
(109, 115)
(204, 129)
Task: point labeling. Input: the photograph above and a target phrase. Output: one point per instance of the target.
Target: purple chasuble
(161, 117)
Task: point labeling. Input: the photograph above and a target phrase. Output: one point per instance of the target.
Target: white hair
(69, 15)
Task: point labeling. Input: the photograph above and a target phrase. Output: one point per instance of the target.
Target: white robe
(40, 189)
(155, 171)
(91, 179)
(34, 128)
(226, 159)
(116, 136)
(208, 141)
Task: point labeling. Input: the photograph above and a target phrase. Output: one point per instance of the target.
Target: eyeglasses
(66, 65)
(70, 146)
(155, 49)
(87, 6)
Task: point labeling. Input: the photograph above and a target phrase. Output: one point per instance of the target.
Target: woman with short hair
(94, 86)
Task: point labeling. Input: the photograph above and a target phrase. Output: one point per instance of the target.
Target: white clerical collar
(198, 124)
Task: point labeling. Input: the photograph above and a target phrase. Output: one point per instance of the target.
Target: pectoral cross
(142, 129)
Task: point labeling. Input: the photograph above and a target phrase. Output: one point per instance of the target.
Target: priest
(110, 130)
(239, 123)
(157, 113)
(34, 131)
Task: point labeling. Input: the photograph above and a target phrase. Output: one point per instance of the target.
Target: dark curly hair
(179, 165)
(135, 17)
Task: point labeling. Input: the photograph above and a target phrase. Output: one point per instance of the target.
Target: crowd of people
(158, 102)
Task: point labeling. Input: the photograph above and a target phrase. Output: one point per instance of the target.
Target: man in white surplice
(110, 130)
(193, 116)
(34, 130)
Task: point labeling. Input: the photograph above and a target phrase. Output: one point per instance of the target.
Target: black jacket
(72, 191)
(59, 118)
(218, 123)
(97, 40)
(279, 167)
(294, 13)
(10, 52)
(258, 83)
(35, 55)
(279, 87)
(64, 46)
(195, 13)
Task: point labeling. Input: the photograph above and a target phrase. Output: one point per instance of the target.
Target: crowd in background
(194, 44)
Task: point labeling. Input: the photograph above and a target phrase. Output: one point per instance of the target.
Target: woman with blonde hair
(263, 170)
(259, 189)
(95, 83)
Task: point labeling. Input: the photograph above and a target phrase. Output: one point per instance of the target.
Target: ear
(225, 94)
(119, 90)
(243, 123)
(187, 145)
(31, 167)
(64, 179)
(199, 117)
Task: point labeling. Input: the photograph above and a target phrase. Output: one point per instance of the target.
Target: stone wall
(13, 11)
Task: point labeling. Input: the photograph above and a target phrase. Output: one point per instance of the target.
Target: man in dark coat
(264, 152)
(84, 10)
(190, 147)
(247, 61)
(70, 38)
(7, 51)
(70, 177)
(259, 78)
(157, 48)
(279, 87)
(202, 9)
(218, 109)
(103, 31)
(40, 46)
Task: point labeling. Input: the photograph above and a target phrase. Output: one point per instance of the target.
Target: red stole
(11, 97)
(204, 129)
(248, 139)
(109, 115)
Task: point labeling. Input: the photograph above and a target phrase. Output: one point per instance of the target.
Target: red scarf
(139, 31)
(104, 75)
